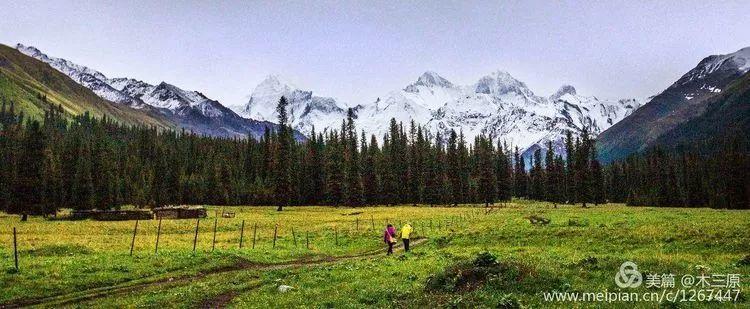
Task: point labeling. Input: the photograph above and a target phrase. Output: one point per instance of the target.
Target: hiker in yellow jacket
(405, 233)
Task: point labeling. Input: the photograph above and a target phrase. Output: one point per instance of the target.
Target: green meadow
(464, 256)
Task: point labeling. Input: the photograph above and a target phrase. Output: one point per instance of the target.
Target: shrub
(508, 301)
(577, 222)
(467, 276)
(588, 262)
(442, 241)
(485, 259)
(537, 220)
(59, 250)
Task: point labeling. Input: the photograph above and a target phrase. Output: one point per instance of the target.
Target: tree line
(88, 163)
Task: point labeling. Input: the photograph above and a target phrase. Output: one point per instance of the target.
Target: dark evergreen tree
(454, 170)
(487, 182)
(503, 174)
(519, 176)
(283, 170)
(537, 177)
(351, 157)
(371, 183)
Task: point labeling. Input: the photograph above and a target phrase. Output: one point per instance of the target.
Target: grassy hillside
(25, 80)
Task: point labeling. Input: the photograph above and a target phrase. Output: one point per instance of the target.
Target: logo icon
(628, 276)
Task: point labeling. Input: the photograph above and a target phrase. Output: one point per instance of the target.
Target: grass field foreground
(580, 250)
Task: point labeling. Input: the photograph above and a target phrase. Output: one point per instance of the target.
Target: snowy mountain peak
(429, 79)
(499, 83)
(304, 109)
(564, 89)
(29, 50)
(742, 59)
(79, 73)
(734, 63)
(190, 110)
(169, 96)
(273, 85)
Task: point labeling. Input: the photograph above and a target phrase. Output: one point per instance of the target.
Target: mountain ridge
(497, 104)
(189, 110)
(687, 98)
(34, 86)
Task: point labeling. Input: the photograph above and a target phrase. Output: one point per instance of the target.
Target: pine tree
(519, 176)
(568, 173)
(415, 168)
(464, 168)
(353, 176)
(486, 170)
(454, 170)
(582, 169)
(83, 183)
(283, 157)
(559, 181)
(30, 173)
(371, 184)
(550, 173)
(503, 173)
(334, 170)
(432, 177)
(537, 176)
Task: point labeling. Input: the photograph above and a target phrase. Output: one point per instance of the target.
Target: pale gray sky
(359, 50)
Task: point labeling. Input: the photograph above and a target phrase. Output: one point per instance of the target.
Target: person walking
(405, 234)
(390, 238)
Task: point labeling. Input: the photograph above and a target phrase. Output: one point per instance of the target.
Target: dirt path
(222, 300)
(218, 302)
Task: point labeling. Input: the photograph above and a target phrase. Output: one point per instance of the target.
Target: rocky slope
(686, 99)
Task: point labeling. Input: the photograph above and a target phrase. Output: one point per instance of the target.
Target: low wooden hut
(111, 215)
(180, 212)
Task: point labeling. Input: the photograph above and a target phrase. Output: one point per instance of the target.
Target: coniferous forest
(88, 163)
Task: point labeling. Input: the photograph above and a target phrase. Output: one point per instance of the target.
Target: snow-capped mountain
(85, 76)
(190, 110)
(497, 105)
(305, 110)
(686, 99)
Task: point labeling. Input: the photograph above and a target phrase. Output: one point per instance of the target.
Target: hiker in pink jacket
(389, 237)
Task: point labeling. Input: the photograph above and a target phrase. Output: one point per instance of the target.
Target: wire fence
(242, 234)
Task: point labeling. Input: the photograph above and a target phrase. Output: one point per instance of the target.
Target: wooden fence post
(294, 235)
(15, 248)
(195, 238)
(242, 232)
(158, 234)
(213, 242)
(275, 231)
(132, 243)
(255, 229)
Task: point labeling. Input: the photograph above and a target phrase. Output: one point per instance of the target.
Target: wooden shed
(180, 212)
(112, 215)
